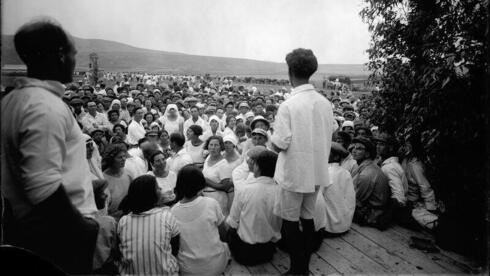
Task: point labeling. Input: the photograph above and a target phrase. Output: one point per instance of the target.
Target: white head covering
(214, 117)
(115, 102)
(170, 106)
(231, 138)
(348, 124)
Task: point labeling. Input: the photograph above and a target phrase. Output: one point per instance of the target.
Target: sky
(254, 29)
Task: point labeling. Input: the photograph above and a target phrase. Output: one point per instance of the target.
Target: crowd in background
(168, 125)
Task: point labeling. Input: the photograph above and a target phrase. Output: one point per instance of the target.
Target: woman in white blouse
(195, 146)
(217, 174)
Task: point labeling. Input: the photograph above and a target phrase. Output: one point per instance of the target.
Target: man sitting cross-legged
(253, 226)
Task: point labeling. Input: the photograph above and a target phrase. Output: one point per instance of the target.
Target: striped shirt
(145, 243)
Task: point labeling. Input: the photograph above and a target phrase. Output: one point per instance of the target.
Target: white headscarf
(115, 102)
(170, 106)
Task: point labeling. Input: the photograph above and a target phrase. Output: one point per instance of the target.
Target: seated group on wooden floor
(91, 200)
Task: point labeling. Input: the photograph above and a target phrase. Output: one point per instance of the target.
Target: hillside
(115, 56)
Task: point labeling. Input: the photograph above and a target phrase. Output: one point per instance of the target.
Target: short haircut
(177, 138)
(39, 40)
(152, 158)
(111, 152)
(142, 195)
(190, 181)
(110, 112)
(345, 137)
(196, 129)
(302, 63)
(152, 116)
(137, 108)
(215, 137)
(266, 161)
(119, 125)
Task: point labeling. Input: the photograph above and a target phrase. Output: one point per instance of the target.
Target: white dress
(216, 173)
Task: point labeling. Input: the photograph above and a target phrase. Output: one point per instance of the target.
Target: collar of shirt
(149, 212)
(392, 159)
(302, 88)
(55, 87)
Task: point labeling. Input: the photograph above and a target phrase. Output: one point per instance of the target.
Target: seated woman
(217, 174)
(253, 227)
(117, 178)
(201, 251)
(165, 178)
(148, 235)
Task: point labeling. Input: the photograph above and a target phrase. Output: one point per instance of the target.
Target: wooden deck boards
(365, 250)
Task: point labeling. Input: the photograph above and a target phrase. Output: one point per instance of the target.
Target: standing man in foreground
(45, 174)
(302, 137)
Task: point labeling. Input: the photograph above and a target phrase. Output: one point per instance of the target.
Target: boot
(296, 250)
(310, 241)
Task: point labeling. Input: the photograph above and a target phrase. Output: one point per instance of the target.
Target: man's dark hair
(346, 138)
(266, 161)
(302, 63)
(121, 126)
(152, 158)
(39, 41)
(178, 138)
(190, 181)
(110, 112)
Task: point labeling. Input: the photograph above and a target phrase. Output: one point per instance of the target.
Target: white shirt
(200, 122)
(90, 122)
(252, 212)
(340, 199)
(179, 160)
(201, 251)
(196, 152)
(241, 174)
(303, 129)
(397, 179)
(136, 131)
(167, 184)
(42, 148)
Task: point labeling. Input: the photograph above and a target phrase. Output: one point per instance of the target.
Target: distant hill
(115, 56)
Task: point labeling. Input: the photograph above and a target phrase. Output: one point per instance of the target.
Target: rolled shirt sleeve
(282, 128)
(42, 142)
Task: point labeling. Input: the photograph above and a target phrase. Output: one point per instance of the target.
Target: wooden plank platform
(366, 250)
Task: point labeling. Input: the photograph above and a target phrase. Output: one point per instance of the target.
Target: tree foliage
(430, 60)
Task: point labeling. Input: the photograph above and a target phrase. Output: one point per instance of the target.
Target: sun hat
(259, 131)
(230, 138)
(257, 119)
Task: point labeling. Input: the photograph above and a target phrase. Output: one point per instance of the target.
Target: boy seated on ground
(253, 228)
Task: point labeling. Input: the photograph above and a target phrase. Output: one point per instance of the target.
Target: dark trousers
(55, 230)
(249, 254)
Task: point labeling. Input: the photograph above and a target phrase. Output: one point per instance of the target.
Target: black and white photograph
(244, 137)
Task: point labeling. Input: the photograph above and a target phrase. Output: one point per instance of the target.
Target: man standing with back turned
(302, 137)
(44, 170)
